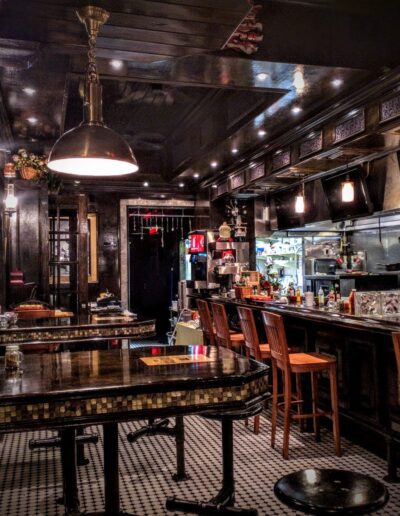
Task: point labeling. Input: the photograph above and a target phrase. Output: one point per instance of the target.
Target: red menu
(197, 243)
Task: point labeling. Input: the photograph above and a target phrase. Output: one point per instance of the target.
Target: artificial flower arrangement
(30, 165)
(34, 168)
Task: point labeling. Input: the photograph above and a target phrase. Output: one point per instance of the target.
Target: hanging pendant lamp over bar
(92, 148)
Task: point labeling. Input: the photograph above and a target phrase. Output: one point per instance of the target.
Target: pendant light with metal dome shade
(92, 148)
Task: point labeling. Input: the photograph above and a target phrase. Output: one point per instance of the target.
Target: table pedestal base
(392, 476)
(222, 503)
(161, 428)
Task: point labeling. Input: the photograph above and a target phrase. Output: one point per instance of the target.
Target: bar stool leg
(274, 402)
(287, 402)
(299, 397)
(314, 394)
(335, 412)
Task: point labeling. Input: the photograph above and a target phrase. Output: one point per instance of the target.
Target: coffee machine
(214, 262)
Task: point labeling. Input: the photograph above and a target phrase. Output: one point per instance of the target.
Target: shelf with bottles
(265, 256)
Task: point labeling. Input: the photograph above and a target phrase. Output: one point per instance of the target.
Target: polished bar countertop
(379, 324)
(75, 329)
(97, 385)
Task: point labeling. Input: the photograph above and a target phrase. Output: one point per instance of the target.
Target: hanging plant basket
(29, 173)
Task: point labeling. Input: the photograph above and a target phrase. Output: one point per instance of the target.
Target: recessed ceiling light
(262, 76)
(32, 120)
(162, 196)
(235, 150)
(117, 64)
(29, 91)
(296, 110)
(145, 183)
(77, 182)
(181, 185)
(337, 82)
(262, 132)
(214, 164)
(214, 186)
(196, 175)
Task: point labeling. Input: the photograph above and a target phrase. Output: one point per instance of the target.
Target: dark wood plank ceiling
(142, 30)
(177, 97)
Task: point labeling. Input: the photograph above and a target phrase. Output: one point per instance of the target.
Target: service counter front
(368, 381)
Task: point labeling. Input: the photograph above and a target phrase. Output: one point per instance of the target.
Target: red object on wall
(153, 231)
(197, 243)
(228, 252)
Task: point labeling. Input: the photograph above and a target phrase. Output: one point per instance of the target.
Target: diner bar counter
(64, 330)
(368, 383)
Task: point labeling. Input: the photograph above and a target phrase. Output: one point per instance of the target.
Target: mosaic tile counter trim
(64, 334)
(54, 410)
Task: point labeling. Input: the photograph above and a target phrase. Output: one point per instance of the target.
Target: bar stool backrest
(206, 322)
(221, 325)
(276, 336)
(396, 344)
(250, 332)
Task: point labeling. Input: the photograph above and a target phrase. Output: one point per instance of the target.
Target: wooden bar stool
(223, 335)
(312, 363)
(391, 447)
(260, 352)
(206, 323)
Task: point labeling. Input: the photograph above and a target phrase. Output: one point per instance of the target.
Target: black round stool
(331, 491)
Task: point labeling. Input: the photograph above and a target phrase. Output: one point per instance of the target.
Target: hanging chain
(91, 73)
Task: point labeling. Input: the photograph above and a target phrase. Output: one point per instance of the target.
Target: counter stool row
(284, 360)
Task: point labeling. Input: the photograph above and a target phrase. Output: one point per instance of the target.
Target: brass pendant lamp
(92, 148)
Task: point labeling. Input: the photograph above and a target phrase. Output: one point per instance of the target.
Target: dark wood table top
(75, 329)
(73, 388)
(76, 321)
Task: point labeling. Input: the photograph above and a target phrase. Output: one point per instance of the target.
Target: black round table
(331, 491)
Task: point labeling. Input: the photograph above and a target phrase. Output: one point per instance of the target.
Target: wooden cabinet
(68, 257)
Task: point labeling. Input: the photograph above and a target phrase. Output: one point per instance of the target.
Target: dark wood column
(82, 252)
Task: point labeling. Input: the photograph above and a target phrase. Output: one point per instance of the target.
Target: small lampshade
(299, 204)
(347, 191)
(10, 201)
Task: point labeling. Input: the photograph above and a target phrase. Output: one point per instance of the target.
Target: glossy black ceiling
(178, 99)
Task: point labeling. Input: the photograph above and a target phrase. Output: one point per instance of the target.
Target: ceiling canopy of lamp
(92, 148)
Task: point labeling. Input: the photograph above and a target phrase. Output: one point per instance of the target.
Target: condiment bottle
(321, 297)
(352, 299)
(12, 358)
(298, 296)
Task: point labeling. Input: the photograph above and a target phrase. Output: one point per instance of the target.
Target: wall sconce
(299, 206)
(10, 201)
(347, 190)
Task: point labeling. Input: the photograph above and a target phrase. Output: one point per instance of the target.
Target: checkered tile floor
(30, 481)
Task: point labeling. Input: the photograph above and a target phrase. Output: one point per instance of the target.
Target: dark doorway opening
(155, 239)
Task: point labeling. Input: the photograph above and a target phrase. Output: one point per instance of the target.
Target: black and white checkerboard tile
(30, 481)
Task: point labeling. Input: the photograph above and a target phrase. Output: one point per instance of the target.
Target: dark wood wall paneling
(25, 236)
(106, 206)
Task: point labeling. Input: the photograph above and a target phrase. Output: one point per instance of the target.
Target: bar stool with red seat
(311, 363)
(260, 352)
(206, 323)
(223, 335)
